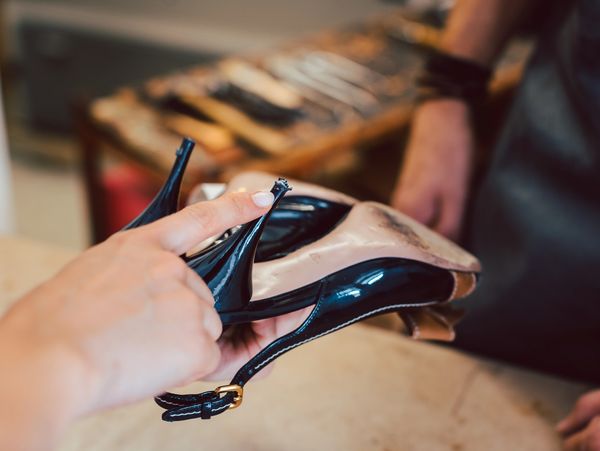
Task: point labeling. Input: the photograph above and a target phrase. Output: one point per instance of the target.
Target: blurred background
(61, 59)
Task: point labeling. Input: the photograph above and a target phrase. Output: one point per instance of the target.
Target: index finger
(187, 228)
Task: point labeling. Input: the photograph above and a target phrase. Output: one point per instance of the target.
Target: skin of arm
(432, 185)
(124, 321)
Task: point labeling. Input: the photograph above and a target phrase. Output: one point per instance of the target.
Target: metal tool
(287, 69)
(347, 69)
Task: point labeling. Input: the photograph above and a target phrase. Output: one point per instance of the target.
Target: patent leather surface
(226, 267)
(352, 288)
(166, 202)
(297, 221)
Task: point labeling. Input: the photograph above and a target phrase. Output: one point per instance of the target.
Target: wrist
(448, 76)
(443, 110)
(446, 105)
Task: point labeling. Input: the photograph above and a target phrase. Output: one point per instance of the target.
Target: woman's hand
(124, 321)
(581, 428)
(240, 343)
(433, 184)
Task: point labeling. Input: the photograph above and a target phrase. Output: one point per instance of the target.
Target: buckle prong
(234, 388)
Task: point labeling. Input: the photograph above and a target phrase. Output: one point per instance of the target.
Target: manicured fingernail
(263, 198)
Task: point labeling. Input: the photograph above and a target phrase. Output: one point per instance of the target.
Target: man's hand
(124, 321)
(433, 184)
(581, 428)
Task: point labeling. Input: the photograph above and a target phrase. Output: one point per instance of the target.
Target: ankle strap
(203, 405)
(210, 403)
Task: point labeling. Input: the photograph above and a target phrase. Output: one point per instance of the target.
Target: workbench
(362, 388)
(142, 125)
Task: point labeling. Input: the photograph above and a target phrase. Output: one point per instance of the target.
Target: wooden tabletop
(360, 388)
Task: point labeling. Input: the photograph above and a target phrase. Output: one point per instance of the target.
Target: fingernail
(263, 198)
(561, 425)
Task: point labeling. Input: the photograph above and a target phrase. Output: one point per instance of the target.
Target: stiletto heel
(166, 202)
(226, 267)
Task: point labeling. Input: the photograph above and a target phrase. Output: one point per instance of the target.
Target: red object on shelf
(127, 192)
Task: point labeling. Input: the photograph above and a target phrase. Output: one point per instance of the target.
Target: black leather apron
(535, 223)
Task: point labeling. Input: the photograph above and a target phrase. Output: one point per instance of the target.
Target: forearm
(91, 337)
(40, 392)
(478, 29)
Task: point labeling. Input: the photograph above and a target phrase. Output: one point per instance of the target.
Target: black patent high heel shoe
(376, 261)
(166, 202)
(341, 297)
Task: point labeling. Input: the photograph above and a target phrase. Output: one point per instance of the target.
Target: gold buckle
(237, 389)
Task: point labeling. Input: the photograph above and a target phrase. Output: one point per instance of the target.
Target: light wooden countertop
(359, 389)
